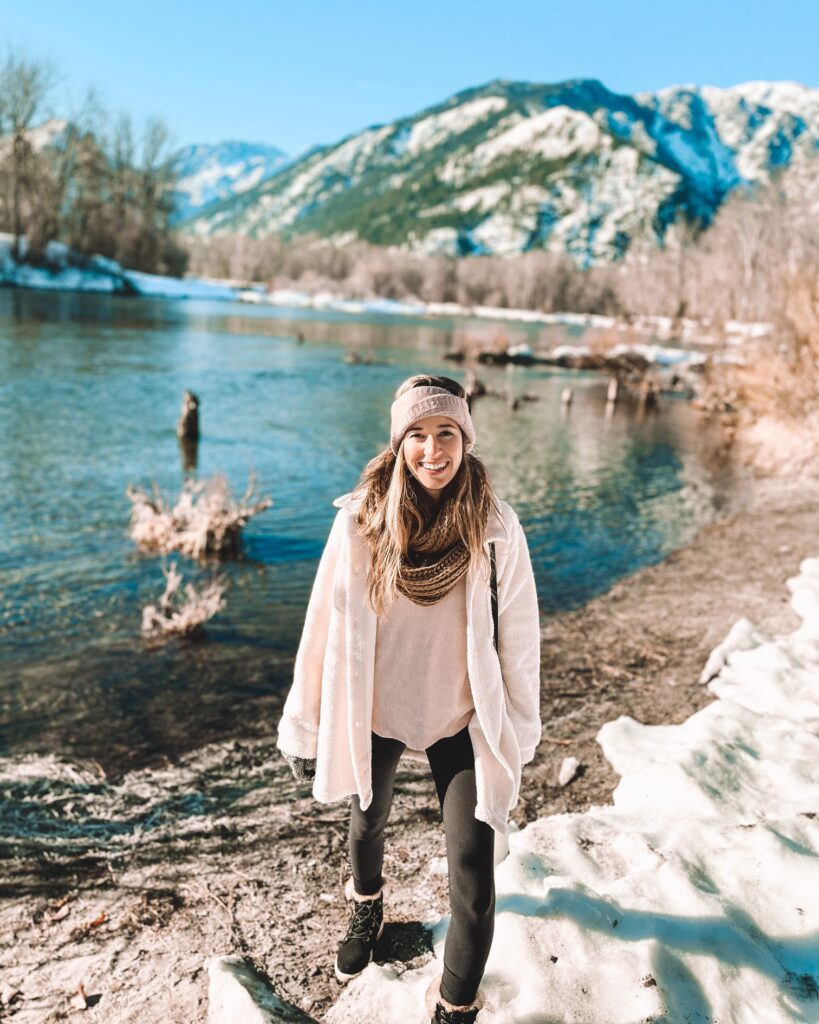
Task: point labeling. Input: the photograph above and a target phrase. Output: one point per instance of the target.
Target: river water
(90, 391)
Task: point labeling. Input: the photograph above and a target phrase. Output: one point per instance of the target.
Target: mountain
(210, 173)
(509, 167)
(513, 166)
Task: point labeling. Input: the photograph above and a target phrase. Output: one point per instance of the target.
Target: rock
(238, 994)
(568, 770)
(743, 636)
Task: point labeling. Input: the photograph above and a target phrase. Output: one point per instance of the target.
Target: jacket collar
(496, 530)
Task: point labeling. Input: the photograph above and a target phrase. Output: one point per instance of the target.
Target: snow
(288, 297)
(98, 274)
(211, 172)
(69, 279)
(568, 770)
(742, 637)
(692, 898)
(393, 307)
(221, 179)
(437, 128)
(755, 329)
(39, 137)
(504, 233)
(791, 97)
(660, 355)
(439, 241)
(484, 197)
(346, 161)
(177, 288)
(554, 134)
(238, 995)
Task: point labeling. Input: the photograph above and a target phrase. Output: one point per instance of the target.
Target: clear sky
(300, 72)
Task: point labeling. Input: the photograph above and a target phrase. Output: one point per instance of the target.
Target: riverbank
(64, 270)
(126, 888)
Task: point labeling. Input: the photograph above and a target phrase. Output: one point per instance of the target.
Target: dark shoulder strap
(493, 583)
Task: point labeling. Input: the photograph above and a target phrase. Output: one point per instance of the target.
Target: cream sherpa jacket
(328, 711)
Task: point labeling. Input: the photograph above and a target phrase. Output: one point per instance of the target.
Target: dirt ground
(126, 888)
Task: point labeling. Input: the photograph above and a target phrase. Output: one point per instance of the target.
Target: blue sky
(294, 74)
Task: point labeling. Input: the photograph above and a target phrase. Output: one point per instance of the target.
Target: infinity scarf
(436, 561)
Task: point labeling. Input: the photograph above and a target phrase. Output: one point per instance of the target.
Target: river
(90, 391)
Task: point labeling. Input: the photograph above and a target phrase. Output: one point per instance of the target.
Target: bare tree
(25, 85)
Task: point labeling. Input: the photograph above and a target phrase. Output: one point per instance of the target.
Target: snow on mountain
(432, 130)
(513, 166)
(210, 173)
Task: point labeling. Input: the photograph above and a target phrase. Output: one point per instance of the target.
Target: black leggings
(469, 851)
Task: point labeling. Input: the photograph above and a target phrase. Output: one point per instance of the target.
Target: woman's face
(434, 450)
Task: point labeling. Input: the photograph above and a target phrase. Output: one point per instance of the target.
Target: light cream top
(421, 688)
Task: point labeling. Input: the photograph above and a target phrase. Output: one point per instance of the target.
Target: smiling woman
(397, 658)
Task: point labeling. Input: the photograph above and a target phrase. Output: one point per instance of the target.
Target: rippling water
(90, 390)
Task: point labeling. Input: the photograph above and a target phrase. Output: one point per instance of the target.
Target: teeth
(430, 465)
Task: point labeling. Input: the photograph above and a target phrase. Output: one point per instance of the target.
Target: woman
(399, 656)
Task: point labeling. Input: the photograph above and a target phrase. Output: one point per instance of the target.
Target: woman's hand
(303, 768)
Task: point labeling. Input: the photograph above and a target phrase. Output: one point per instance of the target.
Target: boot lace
(364, 921)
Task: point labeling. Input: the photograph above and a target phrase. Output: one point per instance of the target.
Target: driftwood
(205, 520)
(175, 615)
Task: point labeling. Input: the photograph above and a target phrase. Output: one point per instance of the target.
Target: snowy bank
(66, 271)
(693, 897)
(686, 330)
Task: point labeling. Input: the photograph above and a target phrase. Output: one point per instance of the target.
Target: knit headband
(419, 402)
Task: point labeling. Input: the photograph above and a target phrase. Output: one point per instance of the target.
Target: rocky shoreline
(115, 893)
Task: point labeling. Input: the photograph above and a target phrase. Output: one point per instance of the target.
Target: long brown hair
(395, 509)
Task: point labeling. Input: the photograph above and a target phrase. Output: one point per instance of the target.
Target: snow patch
(554, 134)
(156, 286)
(437, 128)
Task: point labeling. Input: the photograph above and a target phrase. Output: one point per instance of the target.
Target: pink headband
(419, 402)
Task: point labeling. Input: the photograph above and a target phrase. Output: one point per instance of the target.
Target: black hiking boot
(444, 1016)
(363, 932)
(444, 1012)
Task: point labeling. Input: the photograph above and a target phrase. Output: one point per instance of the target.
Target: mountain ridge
(209, 172)
(509, 166)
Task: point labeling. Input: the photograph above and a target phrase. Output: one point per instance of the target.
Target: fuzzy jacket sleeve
(298, 728)
(519, 644)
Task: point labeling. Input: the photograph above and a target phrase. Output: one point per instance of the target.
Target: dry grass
(474, 339)
(205, 521)
(175, 615)
(769, 404)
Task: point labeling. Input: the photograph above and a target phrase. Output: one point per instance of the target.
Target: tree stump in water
(187, 430)
(188, 426)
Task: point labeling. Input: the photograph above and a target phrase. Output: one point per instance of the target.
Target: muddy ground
(126, 887)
